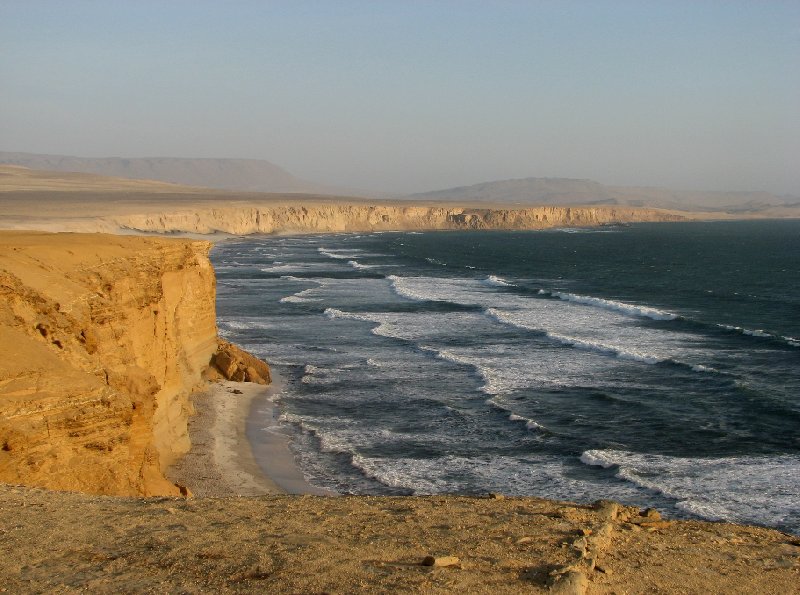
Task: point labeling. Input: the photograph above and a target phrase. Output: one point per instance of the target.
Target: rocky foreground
(66, 543)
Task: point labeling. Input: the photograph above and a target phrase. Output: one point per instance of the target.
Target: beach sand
(238, 448)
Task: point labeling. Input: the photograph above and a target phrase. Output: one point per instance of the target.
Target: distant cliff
(344, 217)
(102, 339)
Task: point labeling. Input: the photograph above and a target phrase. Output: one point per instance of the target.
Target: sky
(415, 95)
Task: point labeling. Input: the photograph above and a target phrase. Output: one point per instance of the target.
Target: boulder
(234, 363)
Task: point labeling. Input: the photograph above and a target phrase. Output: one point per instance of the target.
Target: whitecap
(614, 306)
(497, 281)
(742, 489)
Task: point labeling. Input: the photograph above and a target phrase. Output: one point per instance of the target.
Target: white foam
(607, 338)
(497, 281)
(533, 475)
(529, 423)
(614, 306)
(441, 289)
(336, 313)
(645, 358)
(757, 333)
(300, 297)
(337, 254)
(744, 489)
(436, 261)
(244, 324)
(295, 299)
(296, 267)
(761, 334)
(357, 265)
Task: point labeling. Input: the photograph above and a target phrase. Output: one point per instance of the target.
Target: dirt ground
(67, 543)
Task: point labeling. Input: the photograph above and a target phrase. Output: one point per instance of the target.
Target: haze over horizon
(411, 97)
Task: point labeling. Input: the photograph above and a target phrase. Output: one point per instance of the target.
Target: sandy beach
(238, 448)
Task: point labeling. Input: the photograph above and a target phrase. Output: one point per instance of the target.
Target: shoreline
(237, 447)
(268, 443)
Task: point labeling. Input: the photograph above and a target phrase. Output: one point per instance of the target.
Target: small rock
(604, 570)
(524, 540)
(655, 525)
(236, 391)
(580, 544)
(573, 582)
(494, 496)
(584, 531)
(652, 514)
(441, 561)
(608, 509)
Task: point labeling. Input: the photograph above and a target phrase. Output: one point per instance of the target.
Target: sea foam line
(595, 346)
(761, 334)
(331, 253)
(497, 281)
(614, 306)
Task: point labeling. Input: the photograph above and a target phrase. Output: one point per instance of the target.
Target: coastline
(237, 447)
(65, 541)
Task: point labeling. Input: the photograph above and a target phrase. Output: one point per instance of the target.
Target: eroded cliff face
(102, 339)
(346, 217)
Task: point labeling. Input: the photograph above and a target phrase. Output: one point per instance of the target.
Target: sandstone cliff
(102, 338)
(354, 217)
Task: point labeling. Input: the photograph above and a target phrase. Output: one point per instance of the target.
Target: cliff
(354, 217)
(102, 339)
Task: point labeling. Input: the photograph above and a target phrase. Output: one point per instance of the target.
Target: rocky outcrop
(102, 339)
(234, 363)
(352, 217)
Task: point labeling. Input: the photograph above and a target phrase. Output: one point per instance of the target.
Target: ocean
(654, 364)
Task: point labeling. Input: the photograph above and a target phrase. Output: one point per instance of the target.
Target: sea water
(654, 364)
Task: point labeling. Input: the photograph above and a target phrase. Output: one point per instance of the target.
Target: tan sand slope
(15, 178)
(101, 340)
(253, 175)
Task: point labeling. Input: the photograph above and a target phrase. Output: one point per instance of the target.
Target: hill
(250, 175)
(567, 191)
(15, 178)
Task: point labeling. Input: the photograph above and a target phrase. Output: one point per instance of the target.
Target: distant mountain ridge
(250, 175)
(568, 191)
(253, 175)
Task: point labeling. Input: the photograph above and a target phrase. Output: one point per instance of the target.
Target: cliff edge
(102, 339)
(352, 217)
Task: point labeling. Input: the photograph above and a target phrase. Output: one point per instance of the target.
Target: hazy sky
(416, 95)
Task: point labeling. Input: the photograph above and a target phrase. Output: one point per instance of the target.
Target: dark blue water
(657, 364)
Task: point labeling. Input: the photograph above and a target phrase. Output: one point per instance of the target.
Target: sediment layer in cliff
(354, 217)
(102, 338)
